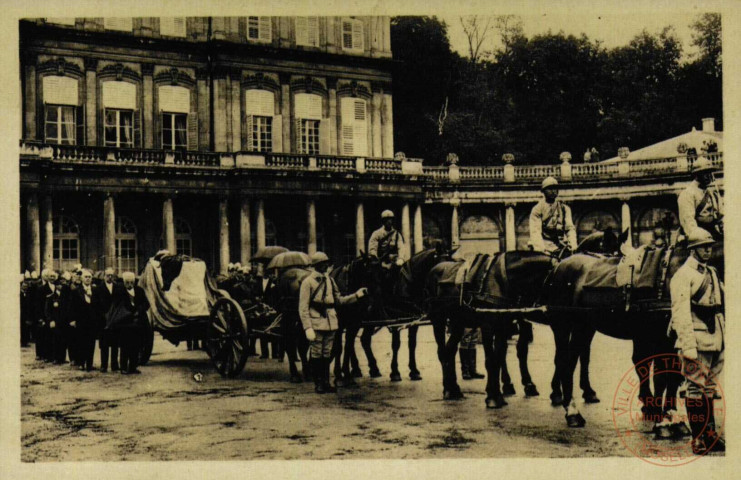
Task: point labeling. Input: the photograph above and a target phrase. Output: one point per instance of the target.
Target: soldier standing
(698, 319)
(551, 225)
(318, 297)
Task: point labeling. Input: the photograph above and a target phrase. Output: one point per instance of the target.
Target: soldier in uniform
(697, 299)
(318, 297)
(387, 243)
(551, 225)
(700, 204)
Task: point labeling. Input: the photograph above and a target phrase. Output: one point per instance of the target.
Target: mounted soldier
(387, 243)
(700, 203)
(697, 297)
(551, 225)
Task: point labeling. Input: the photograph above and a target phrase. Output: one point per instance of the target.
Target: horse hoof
(591, 397)
(531, 390)
(340, 382)
(395, 377)
(575, 421)
(508, 390)
(663, 432)
(495, 402)
(477, 376)
(556, 399)
(356, 374)
(680, 430)
(375, 373)
(351, 383)
(453, 395)
(296, 379)
(415, 376)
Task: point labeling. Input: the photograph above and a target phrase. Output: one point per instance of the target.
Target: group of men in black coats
(66, 315)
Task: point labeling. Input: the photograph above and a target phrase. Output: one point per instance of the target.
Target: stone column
(377, 136)
(148, 107)
(109, 233)
(626, 223)
(260, 224)
(359, 229)
(168, 226)
(33, 229)
(30, 97)
(406, 230)
(333, 117)
(285, 110)
(510, 232)
(387, 121)
(91, 101)
(418, 236)
(47, 248)
(204, 113)
(223, 235)
(455, 239)
(220, 113)
(245, 234)
(311, 226)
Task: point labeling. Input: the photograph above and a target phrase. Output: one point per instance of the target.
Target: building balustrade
(452, 174)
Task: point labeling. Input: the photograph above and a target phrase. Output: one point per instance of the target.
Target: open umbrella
(267, 253)
(289, 259)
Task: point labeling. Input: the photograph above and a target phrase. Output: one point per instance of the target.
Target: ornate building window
(63, 118)
(354, 126)
(183, 238)
(65, 243)
(307, 31)
(172, 26)
(308, 114)
(352, 34)
(121, 123)
(260, 109)
(126, 245)
(259, 29)
(119, 128)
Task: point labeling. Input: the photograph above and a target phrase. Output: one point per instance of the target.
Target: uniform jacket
(383, 244)
(700, 208)
(318, 296)
(550, 224)
(692, 332)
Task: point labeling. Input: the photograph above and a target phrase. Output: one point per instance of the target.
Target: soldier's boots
(472, 365)
(465, 364)
(318, 373)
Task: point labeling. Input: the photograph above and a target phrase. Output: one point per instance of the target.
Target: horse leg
(302, 345)
(494, 398)
(589, 395)
(336, 355)
(412, 343)
(523, 347)
(290, 340)
(438, 329)
(500, 348)
(351, 334)
(575, 343)
(640, 354)
(556, 391)
(451, 349)
(395, 345)
(365, 341)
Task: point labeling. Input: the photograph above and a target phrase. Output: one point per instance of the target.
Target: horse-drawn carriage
(185, 304)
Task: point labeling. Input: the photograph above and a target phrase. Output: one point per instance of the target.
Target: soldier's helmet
(387, 214)
(699, 237)
(548, 182)
(318, 257)
(703, 164)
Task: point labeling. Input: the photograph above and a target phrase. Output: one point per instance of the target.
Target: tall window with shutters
(259, 29)
(174, 131)
(354, 126)
(308, 115)
(352, 34)
(175, 121)
(260, 124)
(119, 128)
(63, 117)
(307, 31)
(126, 257)
(121, 121)
(183, 237)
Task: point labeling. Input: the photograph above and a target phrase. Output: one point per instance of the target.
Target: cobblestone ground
(164, 414)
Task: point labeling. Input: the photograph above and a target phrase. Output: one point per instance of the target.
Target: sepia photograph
(439, 235)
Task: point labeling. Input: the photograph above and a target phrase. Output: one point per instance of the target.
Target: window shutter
(357, 35)
(324, 136)
(101, 127)
(347, 37)
(249, 129)
(348, 122)
(137, 129)
(80, 119)
(298, 144)
(278, 134)
(265, 29)
(302, 31)
(193, 131)
(360, 128)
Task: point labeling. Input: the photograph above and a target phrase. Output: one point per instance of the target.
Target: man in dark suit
(82, 317)
(74, 283)
(103, 297)
(55, 319)
(127, 318)
(42, 334)
(27, 309)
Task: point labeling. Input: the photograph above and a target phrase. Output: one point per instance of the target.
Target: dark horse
(407, 291)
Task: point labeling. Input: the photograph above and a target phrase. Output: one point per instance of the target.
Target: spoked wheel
(226, 337)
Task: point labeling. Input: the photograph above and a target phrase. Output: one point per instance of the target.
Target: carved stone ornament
(508, 158)
(174, 74)
(623, 152)
(451, 159)
(400, 156)
(119, 71)
(565, 157)
(682, 148)
(61, 66)
(354, 88)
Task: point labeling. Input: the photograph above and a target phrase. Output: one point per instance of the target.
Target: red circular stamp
(662, 427)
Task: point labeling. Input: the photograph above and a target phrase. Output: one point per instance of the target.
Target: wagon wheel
(226, 337)
(147, 344)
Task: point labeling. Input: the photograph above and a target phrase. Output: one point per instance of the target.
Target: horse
(407, 293)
